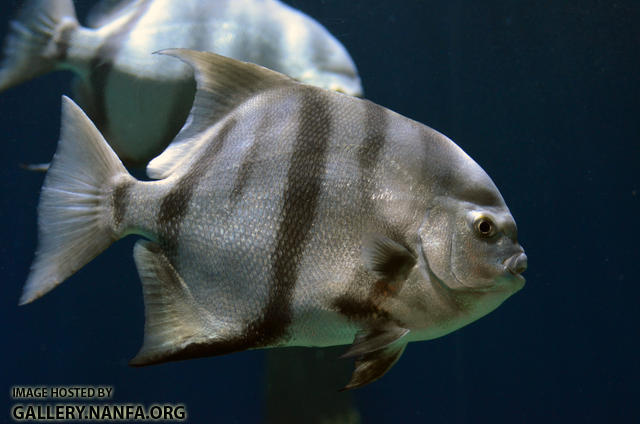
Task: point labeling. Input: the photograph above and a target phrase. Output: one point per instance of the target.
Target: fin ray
(72, 222)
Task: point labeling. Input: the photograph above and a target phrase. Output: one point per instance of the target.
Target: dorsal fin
(222, 84)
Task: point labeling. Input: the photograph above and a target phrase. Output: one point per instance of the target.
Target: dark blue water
(544, 95)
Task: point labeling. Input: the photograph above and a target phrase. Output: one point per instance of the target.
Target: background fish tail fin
(37, 40)
(75, 212)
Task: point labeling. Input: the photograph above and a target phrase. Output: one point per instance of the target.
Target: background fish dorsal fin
(107, 11)
(222, 84)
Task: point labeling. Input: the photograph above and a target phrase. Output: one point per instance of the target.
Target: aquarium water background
(544, 95)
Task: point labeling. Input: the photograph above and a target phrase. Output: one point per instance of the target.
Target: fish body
(139, 101)
(290, 216)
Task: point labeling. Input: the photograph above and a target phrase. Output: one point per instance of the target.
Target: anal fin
(175, 326)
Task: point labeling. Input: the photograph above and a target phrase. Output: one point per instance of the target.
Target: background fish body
(139, 100)
(302, 217)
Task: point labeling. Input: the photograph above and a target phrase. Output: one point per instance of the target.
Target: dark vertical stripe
(300, 200)
(248, 161)
(299, 207)
(62, 40)
(244, 174)
(175, 204)
(365, 310)
(119, 202)
(364, 295)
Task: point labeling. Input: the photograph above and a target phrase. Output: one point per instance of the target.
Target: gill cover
(466, 245)
(435, 240)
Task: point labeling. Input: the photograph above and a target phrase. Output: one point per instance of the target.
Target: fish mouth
(516, 264)
(512, 279)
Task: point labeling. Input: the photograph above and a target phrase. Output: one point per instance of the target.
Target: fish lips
(514, 267)
(511, 278)
(516, 264)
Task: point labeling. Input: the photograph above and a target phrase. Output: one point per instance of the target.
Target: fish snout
(517, 263)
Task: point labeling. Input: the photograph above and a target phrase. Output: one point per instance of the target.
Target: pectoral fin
(174, 325)
(372, 366)
(375, 351)
(387, 259)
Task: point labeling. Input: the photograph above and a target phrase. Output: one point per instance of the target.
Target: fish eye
(484, 226)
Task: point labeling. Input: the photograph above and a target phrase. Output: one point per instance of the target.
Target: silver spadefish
(287, 215)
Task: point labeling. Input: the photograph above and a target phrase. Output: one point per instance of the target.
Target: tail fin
(74, 209)
(37, 40)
